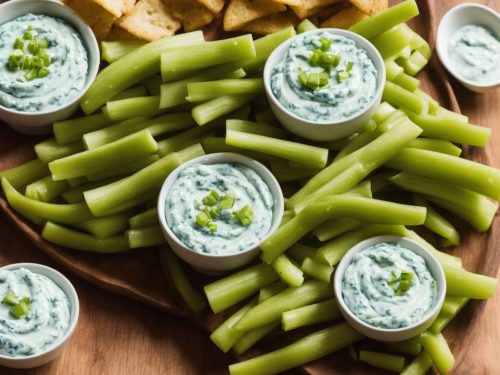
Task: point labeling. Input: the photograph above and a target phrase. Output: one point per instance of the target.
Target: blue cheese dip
(475, 54)
(225, 233)
(349, 85)
(388, 286)
(64, 76)
(43, 325)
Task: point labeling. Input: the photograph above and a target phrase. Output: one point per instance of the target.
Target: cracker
(370, 7)
(310, 7)
(149, 20)
(128, 5)
(345, 18)
(115, 7)
(242, 12)
(98, 18)
(191, 13)
(272, 23)
(117, 33)
(215, 6)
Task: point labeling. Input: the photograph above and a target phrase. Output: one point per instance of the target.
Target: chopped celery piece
(392, 41)
(411, 346)
(187, 137)
(270, 290)
(256, 128)
(460, 282)
(202, 91)
(317, 270)
(144, 219)
(299, 252)
(146, 236)
(311, 314)
(124, 169)
(112, 51)
(126, 108)
(284, 173)
(305, 25)
(132, 92)
(402, 98)
(383, 361)
(46, 189)
(26, 173)
(436, 145)
(205, 112)
(438, 350)
(49, 150)
(288, 271)
(72, 130)
(419, 366)
(107, 226)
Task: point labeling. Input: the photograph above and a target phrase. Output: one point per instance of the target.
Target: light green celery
(144, 219)
(419, 366)
(336, 227)
(436, 145)
(234, 288)
(218, 144)
(441, 322)
(107, 226)
(363, 189)
(205, 112)
(474, 208)
(250, 338)
(411, 346)
(149, 197)
(391, 42)
(153, 85)
(173, 270)
(371, 210)
(373, 154)
(450, 169)
(49, 150)
(288, 271)
(105, 157)
(126, 108)
(224, 336)
(333, 251)
(359, 141)
(435, 222)
(26, 173)
(414, 64)
(284, 173)
(299, 252)
(386, 19)
(449, 129)
(145, 237)
(438, 350)
(271, 309)
(452, 304)
(72, 130)
(270, 290)
(305, 25)
(256, 128)
(384, 110)
(317, 270)
(73, 239)
(446, 113)
(174, 93)
(402, 98)
(407, 82)
(267, 117)
(77, 181)
(462, 283)
(112, 51)
(432, 104)
(311, 314)
(132, 92)
(392, 70)
(75, 194)
(442, 257)
(131, 69)
(312, 156)
(124, 169)
(186, 137)
(202, 91)
(176, 63)
(62, 213)
(383, 361)
(46, 189)
(106, 198)
(309, 348)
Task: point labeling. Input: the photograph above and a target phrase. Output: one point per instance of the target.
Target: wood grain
(121, 336)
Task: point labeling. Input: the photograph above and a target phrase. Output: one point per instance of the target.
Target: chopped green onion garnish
(325, 43)
(211, 199)
(19, 43)
(20, 309)
(212, 227)
(214, 212)
(313, 81)
(227, 202)
(15, 59)
(246, 215)
(31, 74)
(26, 300)
(315, 58)
(342, 76)
(10, 299)
(348, 67)
(27, 36)
(43, 43)
(33, 46)
(405, 281)
(203, 219)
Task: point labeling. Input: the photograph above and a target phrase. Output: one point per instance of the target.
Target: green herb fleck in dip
(388, 286)
(324, 77)
(219, 208)
(43, 63)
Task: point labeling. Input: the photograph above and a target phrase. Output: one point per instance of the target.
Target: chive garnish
(246, 215)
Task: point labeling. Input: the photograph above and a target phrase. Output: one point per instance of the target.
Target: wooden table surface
(118, 336)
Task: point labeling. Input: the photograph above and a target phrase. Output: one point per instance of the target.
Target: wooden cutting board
(137, 274)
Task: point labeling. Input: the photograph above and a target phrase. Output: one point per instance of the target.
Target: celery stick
(392, 41)
(144, 219)
(62, 213)
(317, 270)
(107, 226)
(436, 145)
(173, 269)
(153, 85)
(50, 150)
(419, 366)
(437, 223)
(232, 289)
(124, 169)
(336, 227)
(132, 92)
(251, 337)
(402, 98)
(457, 171)
(284, 173)
(145, 237)
(358, 142)
(77, 181)
(438, 350)
(383, 112)
(407, 82)
(299, 252)
(105, 157)
(452, 304)
(46, 189)
(411, 346)
(26, 173)
(472, 207)
(442, 257)
(271, 309)
(414, 64)
(431, 102)
(177, 141)
(218, 107)
(176, 63)
(106, 198)
(446, 113)
(383, 361)
(386, 19)
(72, 130)
(392, 70)
(136, 66)
(441, 321)
(311, 314)
(287, 271)
(126, 108)
(270, 290)
(372, 210)
(202, 91)
(313, 346)
(80, 241)
(312, 156)
(267, 117)
(218, 144)
(112, 51)
(75, 194)
(462, 283)
(256, 128)
(305, 25)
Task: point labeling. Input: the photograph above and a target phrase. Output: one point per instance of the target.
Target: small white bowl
(41, 122)
(385, 334)
(56, 348)
(455, 18)
(217, 263)
(326, 130)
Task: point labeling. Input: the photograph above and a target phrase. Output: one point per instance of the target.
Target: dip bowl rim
(310, 125)
(56, 347)
(445, 30)
(220, 262)
(391, 334)
(88, 40)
